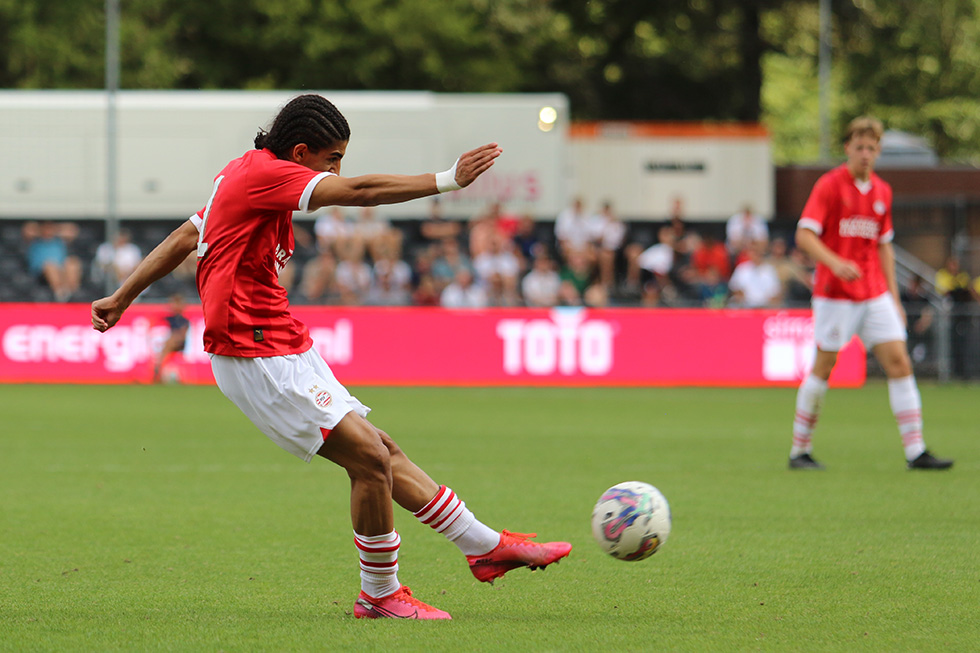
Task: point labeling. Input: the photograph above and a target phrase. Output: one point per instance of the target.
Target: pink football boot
(400, 605)
(516, 550)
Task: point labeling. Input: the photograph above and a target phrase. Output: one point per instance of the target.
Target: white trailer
(171, 144)
(711, 169)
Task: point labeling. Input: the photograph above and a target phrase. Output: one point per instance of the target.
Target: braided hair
(310, 119)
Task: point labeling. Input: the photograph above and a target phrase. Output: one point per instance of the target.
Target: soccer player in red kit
(846, 228)
(264, 361)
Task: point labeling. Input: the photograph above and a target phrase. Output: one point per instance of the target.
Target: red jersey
(714, 256)
(246, 240)
(852, 219)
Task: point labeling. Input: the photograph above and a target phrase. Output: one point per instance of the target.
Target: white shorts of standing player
(875, 321)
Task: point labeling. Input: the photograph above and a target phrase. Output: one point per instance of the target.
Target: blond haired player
(264, 361)
(846, 228)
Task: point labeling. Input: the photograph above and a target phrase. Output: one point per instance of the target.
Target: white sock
(379, 563)
(446, 514)
(906, 403)
(809, 400)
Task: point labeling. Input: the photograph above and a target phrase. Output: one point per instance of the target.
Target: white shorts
(875, 321)
(294, 399)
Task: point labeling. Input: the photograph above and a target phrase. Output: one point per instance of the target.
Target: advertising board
(430, 346)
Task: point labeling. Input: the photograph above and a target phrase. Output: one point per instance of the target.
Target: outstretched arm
(372, 190)
(163, 260)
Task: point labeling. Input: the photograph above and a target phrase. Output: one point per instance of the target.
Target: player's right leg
(809, 401)
(834, 324)
(489, 553)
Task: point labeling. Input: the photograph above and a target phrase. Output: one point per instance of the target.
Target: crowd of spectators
(585, 257)
(497, 258)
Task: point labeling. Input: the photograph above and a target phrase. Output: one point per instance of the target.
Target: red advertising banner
(55, 343)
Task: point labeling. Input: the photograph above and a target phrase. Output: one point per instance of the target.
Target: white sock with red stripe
(809, 400)
(446, 514)
(379, 563)
(906, 403)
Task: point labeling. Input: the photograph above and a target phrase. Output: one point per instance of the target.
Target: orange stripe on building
(643, 129)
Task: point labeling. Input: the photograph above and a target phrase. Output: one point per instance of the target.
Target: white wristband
(446, 181)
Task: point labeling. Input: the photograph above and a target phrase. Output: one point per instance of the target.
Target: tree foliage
(915, 64)
(910, 62)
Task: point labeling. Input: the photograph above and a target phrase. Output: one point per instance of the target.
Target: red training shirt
(851, 219)
(246, 240)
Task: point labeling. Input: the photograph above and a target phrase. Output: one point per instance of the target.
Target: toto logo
(565, 344)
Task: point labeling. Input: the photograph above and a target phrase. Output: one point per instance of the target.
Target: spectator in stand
(480, 231)
(48, 258)
(116, 260)
(632, 282)
(332, 230)
(178, 324)
(755, 283)
(743, 229)
(650, 296)
(319, 278)
(541, 285)
(464, 292)
(658, 261)
(426, 293)
(685, 241)
(920, 317)
(712, 291)
(504, 222)
(425, 256)
(374, 233)
(433, 230)
(576, 229)
(436, 227)
(450, 261)
(386, 290)
(795, 277)
(392, 278)
(526, 240)
(576, 276)
(353, 274)
(710, 266)
(611, 235)
(498, 270)
(954, 282)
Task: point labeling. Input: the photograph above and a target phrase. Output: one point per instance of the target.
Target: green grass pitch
(157, 518)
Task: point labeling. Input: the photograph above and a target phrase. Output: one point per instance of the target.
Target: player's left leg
(355, 445)
(490, 554)
(884, 332)
(906, 404)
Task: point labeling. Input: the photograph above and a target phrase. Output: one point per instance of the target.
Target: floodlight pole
(824, 78)
(111, 131)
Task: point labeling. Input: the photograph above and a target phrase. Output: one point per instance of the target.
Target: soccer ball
(631, 520)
